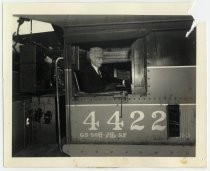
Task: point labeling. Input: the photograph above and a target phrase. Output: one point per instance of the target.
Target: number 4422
(135, 125)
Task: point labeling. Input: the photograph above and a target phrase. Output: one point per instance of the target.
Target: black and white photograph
(103, 85)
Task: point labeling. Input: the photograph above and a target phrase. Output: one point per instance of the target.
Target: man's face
(96, 60)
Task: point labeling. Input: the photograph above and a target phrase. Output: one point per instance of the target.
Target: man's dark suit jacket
(91, 82)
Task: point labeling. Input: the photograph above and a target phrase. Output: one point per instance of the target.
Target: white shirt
(96, 69)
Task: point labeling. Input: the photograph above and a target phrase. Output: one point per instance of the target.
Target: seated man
(93, 78)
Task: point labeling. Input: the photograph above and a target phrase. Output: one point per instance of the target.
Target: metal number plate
(110, 123)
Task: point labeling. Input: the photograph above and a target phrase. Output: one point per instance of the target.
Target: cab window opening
(116, 64)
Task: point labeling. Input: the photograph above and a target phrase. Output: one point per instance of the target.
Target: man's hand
(128, 82)
(111, 87)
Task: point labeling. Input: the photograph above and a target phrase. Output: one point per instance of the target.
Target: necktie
(99, 72)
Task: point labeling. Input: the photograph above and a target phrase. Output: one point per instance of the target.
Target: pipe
(57, 102)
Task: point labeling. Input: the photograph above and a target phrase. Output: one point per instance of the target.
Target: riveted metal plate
(173, 85)
(131, 123)
(76, 150)
(113, 123)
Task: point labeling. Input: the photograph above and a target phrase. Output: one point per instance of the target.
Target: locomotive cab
(158, 109)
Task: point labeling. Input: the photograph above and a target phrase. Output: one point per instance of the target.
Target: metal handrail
(57, 102)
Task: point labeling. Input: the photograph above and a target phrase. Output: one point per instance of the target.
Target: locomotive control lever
(122, 95)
